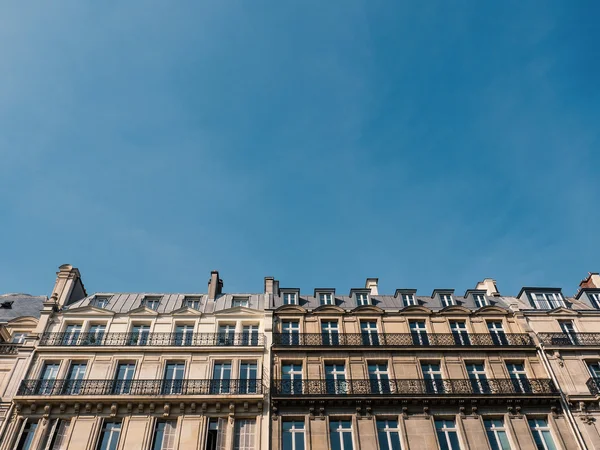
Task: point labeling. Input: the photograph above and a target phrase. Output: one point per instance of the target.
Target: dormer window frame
(325, 296)
(594, 298)
(408, 297)
(546, 300)
(362, 297)
(149, 300)
(100, 301)
(188, 301)
(290, 298)
(240, 301)
(447, 300)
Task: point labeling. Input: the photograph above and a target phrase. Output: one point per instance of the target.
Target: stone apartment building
(145, 371)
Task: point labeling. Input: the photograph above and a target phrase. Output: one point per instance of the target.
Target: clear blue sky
(430, 144)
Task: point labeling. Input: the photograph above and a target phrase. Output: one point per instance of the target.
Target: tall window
(408, 300)
(330, 333)
(447, 299)
(173, 380)
(340, 433)
(250, 335)
(362, 299)
(123, 378)
(480, 300)
(432, 374)
(240, 301)
(568, 328)
(56, 439)
(594, 369)
(496, 433)
(518, 376)
(379, 378)
(109, 436)
(547, 300)
(248, 377)
(192, 302)
(27, 435)
(388, 435)
(221, 377)
(292, 437)
(460, 333)
(226, 334)
(291, 378)
(139, 335)
(325, 299)
(48, 378)
(497, 332)
(71, 335)
(217, 433)
(368, 330)
(151, 302)
(418, 332)
(447, 434)
(542, 434)
(595, 300)
(184, 335)
(244, 434)
(478, 378)
(18, 338)
(100, 302)
(290, 333)
(164, 435)
(96, 334)
(289, 298)
(75, 378)
(335, 378)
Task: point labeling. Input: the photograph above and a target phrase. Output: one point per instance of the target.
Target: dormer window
(547, 300)
(480, 300)
(100, 302)
(447, 300)
(409, 300)
(240, 301)
(595, 300)
(290, 298)
(326, 298)
(192, 302)
(362, 299)
(151, 302)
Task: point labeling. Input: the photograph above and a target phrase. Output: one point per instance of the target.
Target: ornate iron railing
(413, 387)
(593, 385)
(9, 349)
(566, 339)
(403, 339)
(152, 339)
(140, 387)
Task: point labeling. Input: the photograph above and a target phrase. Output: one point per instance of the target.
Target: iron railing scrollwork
(413, 387)
(570, 339)
(152, 339)
(9, 349)
(140, 387)
(403, 339)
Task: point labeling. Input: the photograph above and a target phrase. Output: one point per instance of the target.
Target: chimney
(68, 287)
(271, 285)
(489, 286)
(371, 284)
(215, 285)
(592, 281)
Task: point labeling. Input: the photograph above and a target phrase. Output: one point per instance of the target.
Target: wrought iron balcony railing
(152, 339)
(9, 349)
(570, 339)
(413, 387)
(140, 387)
(593, 385)
(403, 339)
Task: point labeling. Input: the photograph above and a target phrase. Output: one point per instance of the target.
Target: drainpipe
(563, 399)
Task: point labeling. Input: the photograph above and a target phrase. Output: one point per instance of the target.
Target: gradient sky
(430, 144)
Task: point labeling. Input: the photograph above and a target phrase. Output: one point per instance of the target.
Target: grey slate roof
(23, 305)
(125, 302)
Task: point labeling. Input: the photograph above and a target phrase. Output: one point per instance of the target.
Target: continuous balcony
(139, 387)
(413, 387)
(152, 339)
(403, 340)
(570, 339)
(9, 349)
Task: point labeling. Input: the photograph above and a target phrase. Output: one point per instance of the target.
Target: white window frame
(517, 374)
(476, 375)
(430, 374)
(333, 332)
(101, 299)
(192, 302)
(595, 373)
(594, 299)
(362, 299)
(494, 429)
(459, 329)
(418, 330)
(388, 432)
(446, 430)
(294, 431)
(409, 300)
(547, 300)
(326, 298)
(481, 300)
(338, 373)
(290, 298)
(369, 328)
(240, 302)
(340, 430)
(18, 337)
(111, 433)
(247, 433)
(169, 437)
(539, 430)
(447, 300)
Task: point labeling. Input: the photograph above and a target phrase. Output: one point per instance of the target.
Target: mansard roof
(19, 305)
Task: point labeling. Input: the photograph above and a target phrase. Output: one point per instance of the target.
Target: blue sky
(430, 144)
